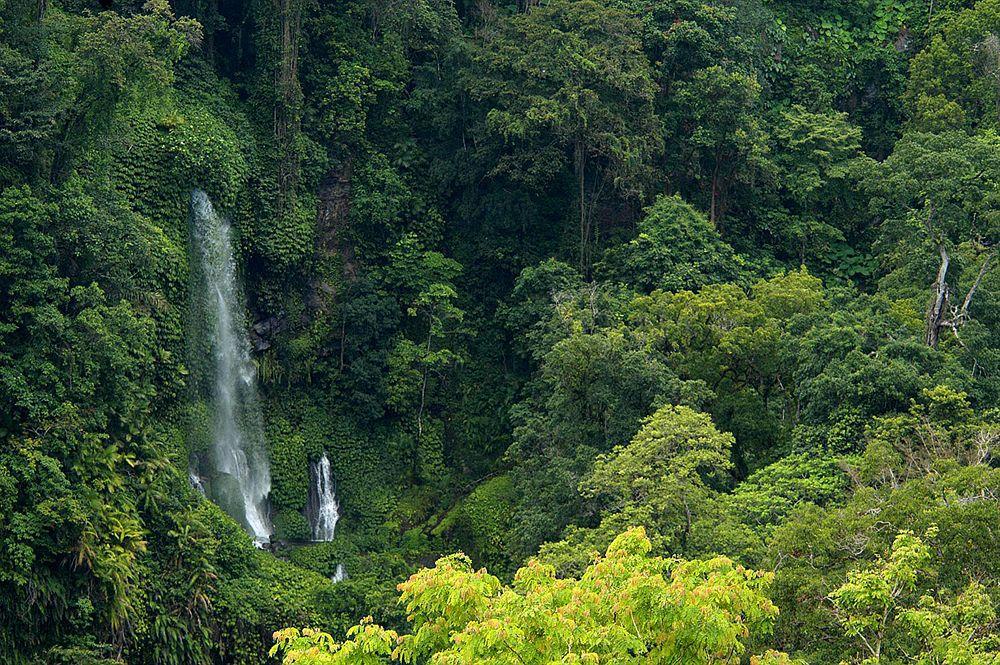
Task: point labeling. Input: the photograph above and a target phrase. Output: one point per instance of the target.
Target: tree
(628, 607)
(954, 81)
(423, 282)
(30, 112)
(77, 380)
(684, 36)
(940, 189)
(740, 347)
(818, 164)
(876, 602)
(677, 248)
(567, 82)
(591, 391)
(940, 425)
(115, 61)
(716, 135)
(670, 468)
(955, 631)
(916, 475)
(868, 602)
(673, 479)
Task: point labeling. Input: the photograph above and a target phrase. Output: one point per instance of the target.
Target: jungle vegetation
(634, 332)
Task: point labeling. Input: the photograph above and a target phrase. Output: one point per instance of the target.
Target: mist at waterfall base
(238, 475)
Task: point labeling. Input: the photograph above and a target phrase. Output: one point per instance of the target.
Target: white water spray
(195, 481)
(238, 451)
(324, 510)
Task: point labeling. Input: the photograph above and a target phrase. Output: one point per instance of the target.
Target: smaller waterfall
(323, 509)
(339, 574)
(196, 482)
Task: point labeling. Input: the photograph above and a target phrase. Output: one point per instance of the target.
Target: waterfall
(195, 481)
(241, 480)
(323, 509)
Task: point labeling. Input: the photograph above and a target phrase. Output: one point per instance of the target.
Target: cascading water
(195, 481)
(240, 480)
(323, 509)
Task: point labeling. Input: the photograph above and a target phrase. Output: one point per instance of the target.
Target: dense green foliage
(625, 300)
(627, 607)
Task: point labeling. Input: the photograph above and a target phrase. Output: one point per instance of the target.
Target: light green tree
(877, 609)
(627, 607)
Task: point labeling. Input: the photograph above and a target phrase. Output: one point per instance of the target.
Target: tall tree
(628, 607)
(567, 83)
(941, 191)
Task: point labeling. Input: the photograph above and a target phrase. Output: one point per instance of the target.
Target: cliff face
(333, 212)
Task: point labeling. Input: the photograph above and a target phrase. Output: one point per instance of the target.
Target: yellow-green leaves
(368, 644)
(877, 609)
(627, 607)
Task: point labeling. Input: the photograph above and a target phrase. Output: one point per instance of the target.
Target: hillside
(581, 331)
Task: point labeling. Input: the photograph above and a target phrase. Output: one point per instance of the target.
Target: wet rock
(262, 333)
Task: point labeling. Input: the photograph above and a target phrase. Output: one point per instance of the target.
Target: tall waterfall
(323, 509)
(241, 478)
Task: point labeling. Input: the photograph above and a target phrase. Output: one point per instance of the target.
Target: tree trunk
(580, 163)
(713, 213)
(939, 300)
(286, 111)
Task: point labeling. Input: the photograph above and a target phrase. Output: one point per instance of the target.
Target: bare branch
(963, 313)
